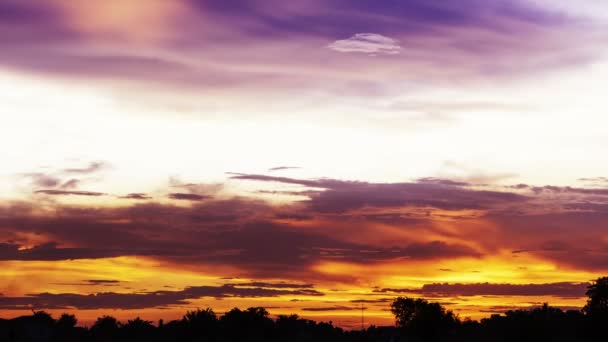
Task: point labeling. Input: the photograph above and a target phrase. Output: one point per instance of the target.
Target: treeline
(416, 320)
(420, 320)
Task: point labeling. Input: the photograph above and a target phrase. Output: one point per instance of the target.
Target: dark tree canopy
(423, 319)
(597, 302)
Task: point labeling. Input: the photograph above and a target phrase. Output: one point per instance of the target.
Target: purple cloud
(136, 196)
(130, 301)
(187, 197)
(341, 196)
(563, 289)
(477, 38)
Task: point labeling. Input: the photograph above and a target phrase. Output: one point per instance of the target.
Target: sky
(315, 157)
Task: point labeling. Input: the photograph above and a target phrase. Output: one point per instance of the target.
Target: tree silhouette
(106, 328)
(43, 317)
(66, 321)
(252, 324)
(596, 308)
(138, 330)
(418, 317)
(597, 302)
(200, 324)
(66, 329)
(200, 317)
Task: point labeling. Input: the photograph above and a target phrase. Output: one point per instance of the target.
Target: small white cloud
(370, 43)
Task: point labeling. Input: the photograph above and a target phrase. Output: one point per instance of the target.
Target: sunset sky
(312, 157)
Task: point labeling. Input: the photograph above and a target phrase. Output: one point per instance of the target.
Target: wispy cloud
(67, 193)
(187, 196)
(281, 168)
(92, 167)
(369, 43)
(126, 301)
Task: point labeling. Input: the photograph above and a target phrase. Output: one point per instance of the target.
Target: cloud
(556, 234)
(102, 281)
(477, 39)
(42, 180)
(50, 252)
(562, 289)
(130, 301)
(282, 285)
(62, 179)
(336, 221)
(373, 301)
(238, 233)
(368, 43)
(204, 189)
(70, 184)
(281, 168)
(91, 168)
(396, 290)
(136, 196)
(595, 181)
(567, 190)
(332, 308)
(187, 197)
(94, 282)
(501, 309)
(342, 196)
(68, 193)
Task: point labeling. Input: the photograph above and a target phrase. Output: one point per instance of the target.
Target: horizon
(310, 157)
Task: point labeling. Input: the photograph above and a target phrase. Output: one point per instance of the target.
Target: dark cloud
(94, 282)
(440, 181)
(573, 238)
(129, 301)
(42, 180)
(238, 233)
(102, 281)
(50, 252)
(568, 190)
(281, 285)
(501, 309)
(68, 192)
(334, 223)
(372, 301)
(52, 180)
(333, 308)
(187, 197)
(341, 196)
(396, 290)
(563, 289)
(136, 196)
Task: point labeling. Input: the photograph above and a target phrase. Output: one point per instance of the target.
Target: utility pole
(362, 319)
